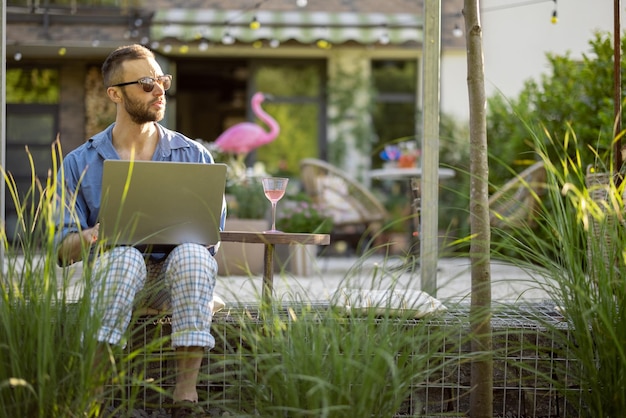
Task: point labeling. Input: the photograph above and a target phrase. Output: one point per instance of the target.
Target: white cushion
(398, 302)
(217, 304)
(335, 198)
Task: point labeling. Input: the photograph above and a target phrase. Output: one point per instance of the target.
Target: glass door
(298, 105)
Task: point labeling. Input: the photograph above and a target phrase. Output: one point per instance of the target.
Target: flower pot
(242, 259)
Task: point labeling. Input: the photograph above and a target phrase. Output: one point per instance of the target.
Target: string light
(384, 37)
(457, 32)
(513, 5)
(555, 18)
(323, 44)
(254, 23)
(203, 45)
(228, 39)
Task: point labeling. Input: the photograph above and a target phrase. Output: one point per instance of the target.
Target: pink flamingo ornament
(245, 136)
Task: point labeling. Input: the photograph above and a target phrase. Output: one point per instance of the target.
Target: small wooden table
(270, 239)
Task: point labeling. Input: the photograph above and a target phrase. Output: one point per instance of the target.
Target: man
(186, 276)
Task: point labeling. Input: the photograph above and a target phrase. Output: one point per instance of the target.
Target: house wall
(72, 110)
(516, 39)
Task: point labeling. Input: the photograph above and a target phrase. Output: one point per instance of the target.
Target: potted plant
(299, 214)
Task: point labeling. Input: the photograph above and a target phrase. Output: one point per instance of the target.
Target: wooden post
(430, 146)
(617, 91)
(3, 115)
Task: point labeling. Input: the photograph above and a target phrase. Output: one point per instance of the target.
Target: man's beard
(141, 113)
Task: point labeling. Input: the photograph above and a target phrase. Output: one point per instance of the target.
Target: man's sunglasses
(148, 82)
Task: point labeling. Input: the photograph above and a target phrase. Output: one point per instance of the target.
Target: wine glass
(274, 188)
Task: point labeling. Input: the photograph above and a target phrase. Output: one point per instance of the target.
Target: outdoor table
(270, 239)
(399, 173)
(412, 175)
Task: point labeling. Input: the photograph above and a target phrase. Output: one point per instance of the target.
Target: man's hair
(112, 66)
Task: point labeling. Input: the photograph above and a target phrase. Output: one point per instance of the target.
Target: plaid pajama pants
(183, 282)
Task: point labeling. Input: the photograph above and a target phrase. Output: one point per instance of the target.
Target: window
(395, 83)
(298, 108)
(32, 122)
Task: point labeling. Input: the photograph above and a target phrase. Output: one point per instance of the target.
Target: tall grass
(580, 246)
(47, 353)
(45, 364)
(321, 362)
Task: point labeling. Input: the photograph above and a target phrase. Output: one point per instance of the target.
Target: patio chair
(355, 211)
(516, 203)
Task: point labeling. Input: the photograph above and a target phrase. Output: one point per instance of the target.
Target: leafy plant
(300, 214)
(576, 93)
(249, 201)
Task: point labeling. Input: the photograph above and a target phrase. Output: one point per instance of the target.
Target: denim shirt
(82, 172)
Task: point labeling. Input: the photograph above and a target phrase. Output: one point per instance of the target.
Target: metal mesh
(526, 362)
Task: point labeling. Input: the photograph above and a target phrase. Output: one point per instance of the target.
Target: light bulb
(384, 38)
(255, 24)
(457, 32)
(203, 45)
(323, 44)
(228, 39)
(554, 19)
(302, 3)
(17, 56)
(274, 43)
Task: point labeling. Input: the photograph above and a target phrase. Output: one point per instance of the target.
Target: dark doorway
(210, 96)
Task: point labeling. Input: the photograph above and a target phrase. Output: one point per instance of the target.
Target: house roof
(394, 22)
(228, 26)
(171, 22)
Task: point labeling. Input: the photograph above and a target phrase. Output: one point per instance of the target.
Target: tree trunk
(481, 397)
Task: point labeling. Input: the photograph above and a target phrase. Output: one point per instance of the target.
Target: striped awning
(228, 26)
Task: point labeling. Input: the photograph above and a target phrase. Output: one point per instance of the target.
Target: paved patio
(509, 283)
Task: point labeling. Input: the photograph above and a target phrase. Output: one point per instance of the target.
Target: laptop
(156, 205)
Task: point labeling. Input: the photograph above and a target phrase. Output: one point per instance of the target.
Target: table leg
(268, 275)
(416, 205)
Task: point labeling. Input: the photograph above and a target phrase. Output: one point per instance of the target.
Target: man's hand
(71, 248)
